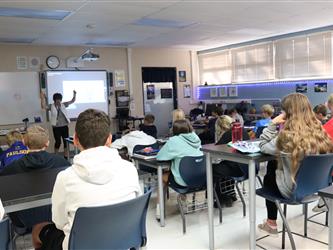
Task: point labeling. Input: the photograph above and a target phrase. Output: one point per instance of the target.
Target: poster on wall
(320, 87)
(187, 91)
(119, 76)
(223, 92)
(150, 92)
(182, 75)
(213, 92)
(301, 87)
(22, 62)
(233, 91)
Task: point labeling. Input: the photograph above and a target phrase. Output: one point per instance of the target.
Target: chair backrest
(117, 226)
(4, 234)
(192, 169)
(139, 147)
(315, 173)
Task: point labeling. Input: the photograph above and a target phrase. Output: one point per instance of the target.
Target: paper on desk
(246, 146)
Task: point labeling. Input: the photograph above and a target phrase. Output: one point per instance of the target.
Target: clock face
(52, 62)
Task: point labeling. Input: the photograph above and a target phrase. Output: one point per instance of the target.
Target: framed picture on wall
(150, 92)
(320, 87)
(223, 92)
(187, 91)
(182, 75)
(301, 87)
(233, 91)
(213, 92)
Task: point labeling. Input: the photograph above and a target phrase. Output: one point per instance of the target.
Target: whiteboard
(19, 97)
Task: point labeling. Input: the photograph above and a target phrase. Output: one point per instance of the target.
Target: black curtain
(161, 74)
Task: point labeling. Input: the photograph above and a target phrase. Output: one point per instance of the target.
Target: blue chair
(4, 234)
(314, 174)
(193, 171)
(117, 226)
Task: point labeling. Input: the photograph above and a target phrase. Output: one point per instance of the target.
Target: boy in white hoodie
(97, 177)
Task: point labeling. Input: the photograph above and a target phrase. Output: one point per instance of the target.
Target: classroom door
(160, 96)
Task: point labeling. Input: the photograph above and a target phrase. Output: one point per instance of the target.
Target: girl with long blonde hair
(301, 134)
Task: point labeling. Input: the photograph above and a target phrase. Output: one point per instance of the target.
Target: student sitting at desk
(97, 177)
(267, 111)
(148, 125)
(15, 151)
(321, 113)
(184, 142)
(224, 171)
(131, 139)
(302, 134)
(37, 140)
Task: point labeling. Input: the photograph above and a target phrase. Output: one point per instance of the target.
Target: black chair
(193, 171)
(117, 226)
(314, 174)
(4, 234)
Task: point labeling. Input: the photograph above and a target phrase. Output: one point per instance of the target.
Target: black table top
(326, 192)
(26, 185)
(151, 161)
(225, 150)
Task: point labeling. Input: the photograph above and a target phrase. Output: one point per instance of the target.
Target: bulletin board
(19, 97)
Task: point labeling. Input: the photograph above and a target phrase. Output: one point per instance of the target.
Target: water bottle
(237, 132)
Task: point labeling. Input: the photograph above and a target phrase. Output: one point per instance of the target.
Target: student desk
(27, 190)
(227, 153)
(328, 194)
(159, 165)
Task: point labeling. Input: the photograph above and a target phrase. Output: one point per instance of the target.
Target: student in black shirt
(37, 140)
(148, 126)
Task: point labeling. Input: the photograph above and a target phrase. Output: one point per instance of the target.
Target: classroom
(166, 124)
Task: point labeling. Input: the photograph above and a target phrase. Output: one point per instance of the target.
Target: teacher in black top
(59, 118)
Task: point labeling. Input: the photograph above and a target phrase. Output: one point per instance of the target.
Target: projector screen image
(90, 87)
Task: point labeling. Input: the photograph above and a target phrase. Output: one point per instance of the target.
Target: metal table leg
(161, 194)
(330, 225)
(210, 204)
(68, 151)
(252, 205)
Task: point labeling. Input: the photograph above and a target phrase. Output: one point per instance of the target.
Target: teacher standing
(59, 118)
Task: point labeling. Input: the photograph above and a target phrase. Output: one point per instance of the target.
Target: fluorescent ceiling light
(16, 40)
(37, 14)
(162, 23)
(110, 43)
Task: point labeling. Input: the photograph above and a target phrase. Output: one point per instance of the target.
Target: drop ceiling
(202, 24)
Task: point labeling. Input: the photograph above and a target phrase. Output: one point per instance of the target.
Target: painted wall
(110, 59)
(181, 59)
(270, 91)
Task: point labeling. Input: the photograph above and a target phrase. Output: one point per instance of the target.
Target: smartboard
(90, 86)
(19, 97)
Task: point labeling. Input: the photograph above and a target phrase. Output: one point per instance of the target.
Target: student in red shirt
(328, 126)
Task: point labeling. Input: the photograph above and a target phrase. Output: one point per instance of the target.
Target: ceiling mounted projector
(89, 56)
